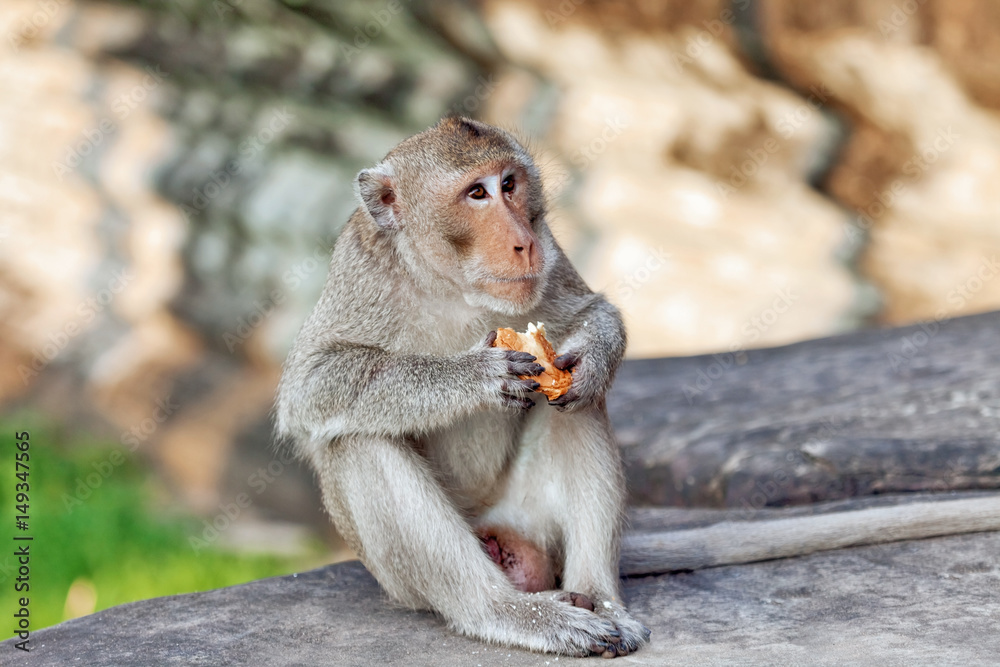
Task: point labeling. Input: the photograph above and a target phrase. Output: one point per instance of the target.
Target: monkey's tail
(732, 542)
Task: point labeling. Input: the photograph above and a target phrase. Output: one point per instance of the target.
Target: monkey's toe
(632, 634)
(578, 600)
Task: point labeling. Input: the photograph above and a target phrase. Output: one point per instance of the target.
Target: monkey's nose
(525, 253)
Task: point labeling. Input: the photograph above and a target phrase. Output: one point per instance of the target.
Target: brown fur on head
(465, 199)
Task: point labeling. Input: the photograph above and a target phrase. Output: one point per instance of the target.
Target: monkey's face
(464, 200)
(491, 233)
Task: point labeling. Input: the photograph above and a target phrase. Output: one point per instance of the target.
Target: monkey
(458, 486)
(455, 483)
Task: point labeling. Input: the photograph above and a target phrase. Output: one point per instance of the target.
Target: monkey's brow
(484, 149)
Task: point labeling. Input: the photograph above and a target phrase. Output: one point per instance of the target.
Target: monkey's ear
(376, 191)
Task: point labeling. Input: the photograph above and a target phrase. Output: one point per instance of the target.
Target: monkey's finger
(564, 400)
(518, 387)
(528, 384)
(491, 338)
(527, 368)
(566, 361)
(518, 402)
(516, 356)
(582, 601)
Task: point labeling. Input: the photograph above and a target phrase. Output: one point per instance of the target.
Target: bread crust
(554, 382)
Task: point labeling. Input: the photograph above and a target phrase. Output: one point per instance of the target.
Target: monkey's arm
(588, 331)
(733, 542)
(343, 388)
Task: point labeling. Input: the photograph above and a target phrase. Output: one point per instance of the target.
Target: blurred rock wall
(919, 82)
(172, 176)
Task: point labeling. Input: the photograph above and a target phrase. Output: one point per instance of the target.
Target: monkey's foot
(568, 624)
(633, 633)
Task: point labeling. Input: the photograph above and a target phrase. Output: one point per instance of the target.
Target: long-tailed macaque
(458, 486)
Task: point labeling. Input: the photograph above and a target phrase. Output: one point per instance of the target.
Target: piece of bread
(554, 382)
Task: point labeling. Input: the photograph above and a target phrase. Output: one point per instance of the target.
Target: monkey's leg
(389, 508)
(574, 457)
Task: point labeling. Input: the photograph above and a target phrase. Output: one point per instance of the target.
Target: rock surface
(928, 602)
(909, 409)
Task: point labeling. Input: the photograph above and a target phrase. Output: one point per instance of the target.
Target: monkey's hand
(500, 370)
(588, 385)
(592, 343)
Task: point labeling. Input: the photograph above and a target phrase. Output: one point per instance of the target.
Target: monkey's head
(464, 200)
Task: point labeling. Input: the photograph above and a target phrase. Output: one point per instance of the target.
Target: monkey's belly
(528, 567)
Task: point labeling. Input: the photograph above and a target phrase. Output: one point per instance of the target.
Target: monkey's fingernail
(610, 653)
(615, 633)
(534, 386)
(647, 631)
(562, 362)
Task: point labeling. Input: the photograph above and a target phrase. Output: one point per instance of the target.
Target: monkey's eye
(508, 184)
(477, 192)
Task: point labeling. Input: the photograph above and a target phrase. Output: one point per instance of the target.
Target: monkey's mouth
(520, 279)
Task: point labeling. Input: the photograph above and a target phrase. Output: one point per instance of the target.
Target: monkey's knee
(527, 567)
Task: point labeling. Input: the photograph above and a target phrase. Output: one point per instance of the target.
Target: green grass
(113, 539)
